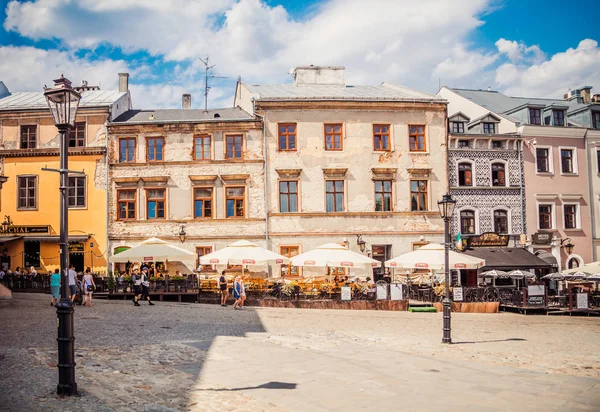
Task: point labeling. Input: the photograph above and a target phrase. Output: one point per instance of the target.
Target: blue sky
(519, 47)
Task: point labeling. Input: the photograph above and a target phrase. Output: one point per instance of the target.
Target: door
(381, 253)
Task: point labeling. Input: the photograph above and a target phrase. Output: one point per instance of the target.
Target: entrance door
(76, 259)
(381, 253)
(31, 254)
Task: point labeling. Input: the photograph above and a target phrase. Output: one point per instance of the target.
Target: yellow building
(29, 197)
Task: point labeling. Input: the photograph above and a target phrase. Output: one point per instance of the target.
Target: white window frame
(577, 216)
(550, 160)
(506, 174)
(508, 216)
(575, 166)
(473, 177)
(476, 211)
(537, 214)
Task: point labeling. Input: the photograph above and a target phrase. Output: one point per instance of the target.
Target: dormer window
(489, 128)
(463, 144)
(558, 117)
(458, 127)
(497, 144)
(535, 116)
(596, 120)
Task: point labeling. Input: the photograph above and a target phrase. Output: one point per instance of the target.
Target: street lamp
(182, 234)
(568, 247)
(446, 206)
(63, 102)
(6, 223)
(361, 243)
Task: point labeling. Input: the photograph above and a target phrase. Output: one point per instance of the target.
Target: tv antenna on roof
(208, 68)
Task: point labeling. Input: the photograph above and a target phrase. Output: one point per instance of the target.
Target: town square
(256, 205)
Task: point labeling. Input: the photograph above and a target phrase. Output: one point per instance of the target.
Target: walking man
(72, 282)
(137, 286)
(223, 287)
(146, 286)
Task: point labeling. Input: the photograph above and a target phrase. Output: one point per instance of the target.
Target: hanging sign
(541, 238)
(76, 247)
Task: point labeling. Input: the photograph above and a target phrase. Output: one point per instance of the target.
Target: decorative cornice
(289, 172)
(203, 178)
(81, 151)
(419, 171)
(236, 177)
(335, 171)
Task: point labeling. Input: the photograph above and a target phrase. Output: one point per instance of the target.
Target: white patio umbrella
(494, 274)
(592, 267)
(243, 252)
(153, 250)
(334, 255)
(578, 275)
(431, 257)
(521, 274)
(595, 277)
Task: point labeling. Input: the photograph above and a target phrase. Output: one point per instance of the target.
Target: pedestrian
(237, 288)
(223, 288)
(242, 294)
(146, 287)
(55, 287)
(73, 282)
(137, 286)
(88, 287)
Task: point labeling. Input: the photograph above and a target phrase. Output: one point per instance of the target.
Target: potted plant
(111, 284)
(126, 283)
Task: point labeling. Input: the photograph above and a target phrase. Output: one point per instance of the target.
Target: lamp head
(63, 102)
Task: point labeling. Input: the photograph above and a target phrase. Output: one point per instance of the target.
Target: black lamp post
(361, 243)
(182, 234)
(63, 102)
(446, 206)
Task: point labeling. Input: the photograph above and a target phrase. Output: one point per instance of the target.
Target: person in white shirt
(72, 282)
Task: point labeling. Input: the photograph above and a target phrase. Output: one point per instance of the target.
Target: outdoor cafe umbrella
(494, 274)
(431, 257)
(519, 274)
(242, 252)
(334, 255)
(595, 277)
(153, 250)
(578, 275)
(592, 267)
(554, 276)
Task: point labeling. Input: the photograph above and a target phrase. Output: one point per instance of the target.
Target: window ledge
(545, 173)
(418, 153)
(569, 174)
(577, 229)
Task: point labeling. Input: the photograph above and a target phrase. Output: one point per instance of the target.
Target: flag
(459, 243)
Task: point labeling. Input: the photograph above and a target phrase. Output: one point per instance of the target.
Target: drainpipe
(590, 161)
(265, 172)
(523, 228)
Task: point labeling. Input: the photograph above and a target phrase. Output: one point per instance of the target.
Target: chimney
(186, 101)
(123, 82)
(323, 75)
(586, 94)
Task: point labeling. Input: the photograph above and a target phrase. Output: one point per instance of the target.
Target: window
(500, 221)
(567, 161)
(381, 137)
(416, 138)
(498, 174)
(334, 195)
(558, 117)
(27, 192)
(234, 201)
(418, 195)
(76, 192)
(535, 116)
(288, 196)
(458, 127)
(77, 135)
(155, 203)
(489, 128)
(28, 137)
(463, 144)
(290, 252)
(126, 150)
(497, 144)
(467, 222)
(570, 216)
(465, 174)
(287, 136)
(201, 251)
(383, 195)
(234, 148)
(202, 148)
(543, 160)
(127, 202)
(596, 120)
(573, 263)
(154, 149)
(545, 216)
(598, 160)
(203, 202)
(333, 137)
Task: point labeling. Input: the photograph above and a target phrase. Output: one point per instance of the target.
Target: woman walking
(146, 287)
(55, 287)
(88, 287)
(237, 289)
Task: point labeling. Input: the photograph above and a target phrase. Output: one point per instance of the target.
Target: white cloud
(519, 51)
(463, 63)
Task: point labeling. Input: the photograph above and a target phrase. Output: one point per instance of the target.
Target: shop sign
(489, 239)
(24, 230)
(457, 294)
(535, 300)
(76, 247)
(148, 259)
(346, 293)
(541, 238)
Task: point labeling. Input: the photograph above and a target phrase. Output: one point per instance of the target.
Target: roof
(508, 258)
(37, 101)
(183, 115)
(383, 92)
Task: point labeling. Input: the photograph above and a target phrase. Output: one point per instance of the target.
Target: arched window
(465, 174)
(501, 221)
(467, 222)
(573, 263)
(498, 174)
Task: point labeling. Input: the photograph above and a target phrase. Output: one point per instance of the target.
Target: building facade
(196, 171)
(30, 196)
(350, 162)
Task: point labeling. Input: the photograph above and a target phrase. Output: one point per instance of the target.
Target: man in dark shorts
(223, 287)
(137, 286)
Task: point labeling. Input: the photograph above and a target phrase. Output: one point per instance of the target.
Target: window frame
(148, 200)
(535, 114)
(28, 127)
(134, 157)
(244, 199)
(491, 126)
(500, 143)
(410, 135)
(383, 192)
(73, 134)
(554, 113)
(504, 163)
(196, 198)
(210, 147)
(234, 135)
(552, 215)
(343, 192)
(333, 134)
(550, 161)
(508, 219)
(155, 138)
(574, 165)
(287, 136)
(598, 160)
(289, 255)
(470, 163)
(595, 115)
(127, 201)
(381, 134)
(475, 220)
(577, 219)
(84, 192)
(288, 194)
(418, 191)
(204, 267)
(458, 127)
(35, 191)
(460, 142)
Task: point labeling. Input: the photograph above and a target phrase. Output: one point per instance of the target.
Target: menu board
(536, 300)
(457, 294)
(346, 293)
(381, 292)
(396, 291)
(536, 290)
(582, 301)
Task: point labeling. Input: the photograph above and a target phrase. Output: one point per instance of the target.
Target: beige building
(346, 161)
(192, 170)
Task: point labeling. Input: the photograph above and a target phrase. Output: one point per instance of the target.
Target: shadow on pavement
(268, 385)
(491, 341)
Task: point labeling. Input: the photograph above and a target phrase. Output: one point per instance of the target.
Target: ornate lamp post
(63, 102)
(446, 206)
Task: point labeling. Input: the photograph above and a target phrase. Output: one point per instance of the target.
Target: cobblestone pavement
(173, 357)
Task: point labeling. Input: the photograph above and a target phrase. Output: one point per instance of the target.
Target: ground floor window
(290, 252)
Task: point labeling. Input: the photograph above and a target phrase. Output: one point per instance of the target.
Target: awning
(509, 258)
(9, 238)
(547, 257)
(56, 238)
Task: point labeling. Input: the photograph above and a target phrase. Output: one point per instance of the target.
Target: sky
(522, 48)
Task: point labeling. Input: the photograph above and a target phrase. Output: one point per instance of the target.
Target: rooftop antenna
(208, 67)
